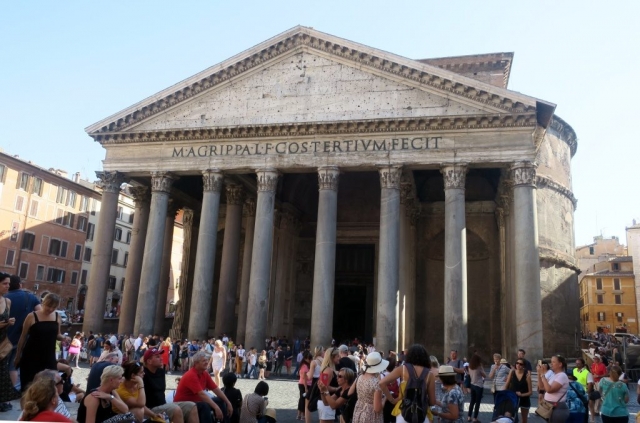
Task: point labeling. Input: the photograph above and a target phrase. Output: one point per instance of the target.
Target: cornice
(565, 133)
(544, 182)
(440, 123)
(498, 99)
(558, 259)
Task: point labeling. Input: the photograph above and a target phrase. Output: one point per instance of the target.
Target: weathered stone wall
(558, 277)
(483, 280)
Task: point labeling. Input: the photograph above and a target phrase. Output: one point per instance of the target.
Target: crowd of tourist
(352, 383)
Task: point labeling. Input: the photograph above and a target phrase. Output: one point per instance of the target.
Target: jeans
(295, 372)
(476, 399)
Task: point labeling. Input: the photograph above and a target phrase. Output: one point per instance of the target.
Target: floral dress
(456, 397)
(363, 411)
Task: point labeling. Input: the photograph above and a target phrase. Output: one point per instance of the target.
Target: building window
(19, 203)
(131, 215)
(83, 277)
(591, 250)
(71, 200)
(24, 270)
(11, 255)
(615, 266)
(84, 203)
(39, 272)
(126, 259)
(3, 172)
(15, 228)
(122, 285)
(618, 298)
(120, 212)
(74, 278)
(600, 298)
(33, 210)
(598, 283)
(23, 182)
(28, 240)
(59, 216)
(55, 275)
(90, 229)
(117, 235)
(54, 247)
(64, 245)
(93, 206)
(616, 284)
(112, 282)
(87, 254)
(61, 195)
(67, 219)
(114, 257)
(619, 317)
(77, 253)
(128, 237)
(601, 316)
(586, 317)
(82, 223)
(37, 186)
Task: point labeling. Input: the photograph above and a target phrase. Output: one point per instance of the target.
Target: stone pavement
(283, 396)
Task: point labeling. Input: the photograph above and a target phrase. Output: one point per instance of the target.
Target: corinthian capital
(250, 207)
(328, 177)
(390, 176)
(110, 181)
(235, 194)
(140, 194)
(162, 181)
(523, 174)
(212, 180)
(267, 179)
(454, 175)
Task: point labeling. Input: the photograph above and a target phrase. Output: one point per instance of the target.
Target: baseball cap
(343, 348)
(151, 352)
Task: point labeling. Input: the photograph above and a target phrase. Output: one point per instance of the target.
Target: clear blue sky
(68, 64)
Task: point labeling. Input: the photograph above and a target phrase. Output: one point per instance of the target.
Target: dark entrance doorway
(353, 298)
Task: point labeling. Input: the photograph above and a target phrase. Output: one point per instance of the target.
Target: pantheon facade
(333, 190)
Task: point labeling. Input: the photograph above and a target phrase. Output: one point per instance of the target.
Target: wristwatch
(112, 397)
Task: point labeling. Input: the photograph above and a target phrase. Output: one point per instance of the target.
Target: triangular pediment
(304, 75)
(306, 87)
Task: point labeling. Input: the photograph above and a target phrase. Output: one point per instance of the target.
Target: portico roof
(505, 105)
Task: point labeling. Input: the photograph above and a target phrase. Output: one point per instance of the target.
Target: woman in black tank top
(519, 381)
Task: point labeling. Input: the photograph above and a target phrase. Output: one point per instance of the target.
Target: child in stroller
(505, 409)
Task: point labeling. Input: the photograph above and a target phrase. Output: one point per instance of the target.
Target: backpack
(91, 345)
(414, 406)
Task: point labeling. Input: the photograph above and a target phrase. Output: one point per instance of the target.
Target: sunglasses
(340, 376)
(517, 362)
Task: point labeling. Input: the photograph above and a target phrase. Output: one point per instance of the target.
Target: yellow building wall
(590, 308)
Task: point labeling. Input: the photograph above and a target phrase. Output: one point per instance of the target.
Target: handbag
(5, 348)
(545, 408)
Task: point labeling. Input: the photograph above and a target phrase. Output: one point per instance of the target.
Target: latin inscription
(308, 147)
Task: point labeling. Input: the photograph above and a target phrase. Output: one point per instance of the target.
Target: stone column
(289, 227)
(407, 273)
(245, 277)
(503, 201)
(527, 262)
(226, 309)
(165, 270)
(455, 260)
(256, 326)
(152, 262)
(102, 248)
(324, 266)
(179, 329)
(389, 257)
(141, 200)
(205, 255)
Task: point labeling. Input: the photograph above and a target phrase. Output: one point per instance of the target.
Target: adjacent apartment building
(44, 217)
(608, 297)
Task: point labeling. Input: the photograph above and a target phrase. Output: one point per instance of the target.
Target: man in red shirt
(193, 386)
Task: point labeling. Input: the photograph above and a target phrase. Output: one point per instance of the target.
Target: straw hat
(446, 371)
(375, 363)
(270, 412)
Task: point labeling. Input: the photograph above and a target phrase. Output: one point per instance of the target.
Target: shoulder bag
(545, 408)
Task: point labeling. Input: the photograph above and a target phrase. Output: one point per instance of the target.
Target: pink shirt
(303, 370)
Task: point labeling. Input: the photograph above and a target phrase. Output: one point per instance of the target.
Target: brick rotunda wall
(555, 207)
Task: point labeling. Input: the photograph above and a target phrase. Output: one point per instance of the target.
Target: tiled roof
(611, 273)
(623, 259)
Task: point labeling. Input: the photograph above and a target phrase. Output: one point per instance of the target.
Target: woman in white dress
(217, 360)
